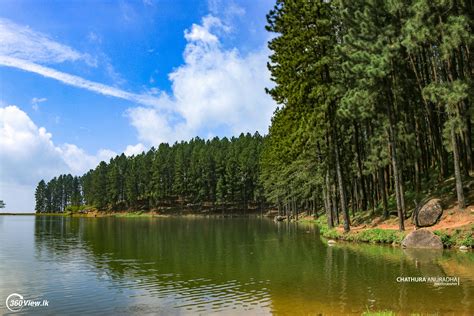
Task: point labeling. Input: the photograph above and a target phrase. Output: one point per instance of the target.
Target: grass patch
(369, 235)
(134, 214)
(379, 313)
(457, 237)
(377, 235)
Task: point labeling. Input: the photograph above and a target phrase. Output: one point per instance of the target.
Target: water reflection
(235, 266)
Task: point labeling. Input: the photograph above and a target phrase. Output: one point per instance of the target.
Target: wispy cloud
(28, 50)
(22, 42)
(36, 101)
(93, 37)
(79, 82)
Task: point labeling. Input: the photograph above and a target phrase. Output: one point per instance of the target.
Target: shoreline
(453, 236)
(375, 233)
(130, 214)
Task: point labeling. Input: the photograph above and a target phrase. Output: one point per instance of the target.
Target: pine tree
(40, 197)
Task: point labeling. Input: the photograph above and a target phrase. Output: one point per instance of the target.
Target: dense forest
(374, 102)
(218, 173)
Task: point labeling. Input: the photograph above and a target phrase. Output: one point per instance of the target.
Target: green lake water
(231, 266)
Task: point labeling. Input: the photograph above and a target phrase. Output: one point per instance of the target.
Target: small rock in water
(463, 247)
(279, 218)
(331, 242)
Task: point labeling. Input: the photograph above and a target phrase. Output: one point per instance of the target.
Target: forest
(221, 173)
(374, 105)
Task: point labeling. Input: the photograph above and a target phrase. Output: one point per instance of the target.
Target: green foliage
(329, 233)
(367, 92)
(445, 238)
(375, 235)
(460, 237)
(217, 171)
(378, 235)
(79, 208)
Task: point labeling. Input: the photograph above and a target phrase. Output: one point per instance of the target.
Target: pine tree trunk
(457, 171)
(327, 201)
(340, 181)
(468, 142)
(363, 201)
(335, 206)
(383, 193)
(396, 172)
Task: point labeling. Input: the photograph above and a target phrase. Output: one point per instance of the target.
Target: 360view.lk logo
(15, 302)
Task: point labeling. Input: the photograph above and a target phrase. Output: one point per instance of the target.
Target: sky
(83, 81)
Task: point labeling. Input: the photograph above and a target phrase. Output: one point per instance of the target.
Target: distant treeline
(222, 172)
(375, 102)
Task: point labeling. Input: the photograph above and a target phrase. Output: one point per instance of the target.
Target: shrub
(378, 235)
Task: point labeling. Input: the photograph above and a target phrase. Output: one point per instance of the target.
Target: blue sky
(81, 81)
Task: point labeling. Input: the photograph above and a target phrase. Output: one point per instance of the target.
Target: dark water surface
(209, 265)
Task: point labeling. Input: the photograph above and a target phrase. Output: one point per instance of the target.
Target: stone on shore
(429, 214)
(279, 218)
(422, 239)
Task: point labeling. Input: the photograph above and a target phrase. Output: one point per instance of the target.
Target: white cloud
(134, 149)
(36, 101)
(79, 82)
(28, 154)
(203, 33)
(155, 127)
(79, 161)
(26, 151)
(215, 89)
(21, 42)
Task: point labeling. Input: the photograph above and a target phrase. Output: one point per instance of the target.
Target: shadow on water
(250, 264)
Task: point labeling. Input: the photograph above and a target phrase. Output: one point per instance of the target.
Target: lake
(195, 265)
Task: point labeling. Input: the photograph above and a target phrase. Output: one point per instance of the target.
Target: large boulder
(422, 239)
(429, 213)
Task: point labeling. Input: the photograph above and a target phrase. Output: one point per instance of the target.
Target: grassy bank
(457, 237)
(462, 236)
(370, 235)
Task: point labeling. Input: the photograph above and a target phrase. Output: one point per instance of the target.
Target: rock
(463, 248)
(279, 218)
(422, 239)
(331, 242)
(429, 213)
